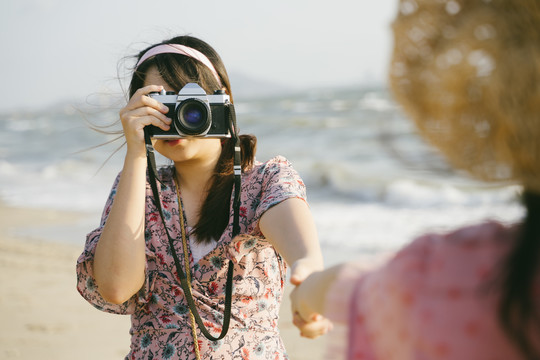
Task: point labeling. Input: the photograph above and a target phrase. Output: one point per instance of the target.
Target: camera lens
(192, 117)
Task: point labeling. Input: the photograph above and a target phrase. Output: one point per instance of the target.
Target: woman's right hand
(120, 258)
(140, 111)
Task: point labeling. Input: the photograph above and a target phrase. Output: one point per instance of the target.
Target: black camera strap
(153, 178)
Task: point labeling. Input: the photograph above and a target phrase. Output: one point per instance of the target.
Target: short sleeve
(86, 284)
(279, 182)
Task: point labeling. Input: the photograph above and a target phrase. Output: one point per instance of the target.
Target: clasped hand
(307, 303)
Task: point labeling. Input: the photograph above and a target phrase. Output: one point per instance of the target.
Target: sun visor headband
(182, 50)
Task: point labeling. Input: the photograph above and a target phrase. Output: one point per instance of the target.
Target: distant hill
(244, 86)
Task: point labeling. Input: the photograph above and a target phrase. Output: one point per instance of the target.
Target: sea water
(373, 183)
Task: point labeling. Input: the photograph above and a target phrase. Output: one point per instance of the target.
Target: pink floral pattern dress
(160, 324)
(436, 299)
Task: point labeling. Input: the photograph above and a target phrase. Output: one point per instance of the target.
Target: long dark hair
(178, 70)
(517, 309)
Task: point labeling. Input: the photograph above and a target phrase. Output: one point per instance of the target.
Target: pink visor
(182, 50)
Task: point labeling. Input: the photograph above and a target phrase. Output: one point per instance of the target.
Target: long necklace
(188, 271)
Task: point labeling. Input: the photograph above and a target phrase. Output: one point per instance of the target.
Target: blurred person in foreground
(468, 73)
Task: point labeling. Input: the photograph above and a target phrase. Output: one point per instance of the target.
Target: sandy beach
(43, 316)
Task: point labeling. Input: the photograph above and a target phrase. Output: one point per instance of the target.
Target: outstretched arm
(290, 228)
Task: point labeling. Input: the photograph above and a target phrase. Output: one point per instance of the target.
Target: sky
(64, 50)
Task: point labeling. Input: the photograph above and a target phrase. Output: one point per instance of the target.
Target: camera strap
(184, 283)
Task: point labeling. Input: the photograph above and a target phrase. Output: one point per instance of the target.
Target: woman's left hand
(308, 301)
(310, 322)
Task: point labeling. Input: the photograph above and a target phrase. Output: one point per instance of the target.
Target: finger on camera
(158, 123)
(146, 111)
(140, 122)
(145, 90)
(153, 103)
(143, 102)
(141, 99)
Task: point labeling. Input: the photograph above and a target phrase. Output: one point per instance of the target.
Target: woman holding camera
(128, 265)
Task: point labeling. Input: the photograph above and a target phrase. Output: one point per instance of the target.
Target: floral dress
(160, 323)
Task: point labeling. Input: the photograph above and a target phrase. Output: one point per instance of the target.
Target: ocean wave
(353, 145)
(378, 181)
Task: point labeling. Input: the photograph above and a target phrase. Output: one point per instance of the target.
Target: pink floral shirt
(433, 300)
(160, 326)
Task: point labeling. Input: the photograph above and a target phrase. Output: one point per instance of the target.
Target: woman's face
(185, 150)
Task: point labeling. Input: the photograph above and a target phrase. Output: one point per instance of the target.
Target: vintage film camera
(193, 113)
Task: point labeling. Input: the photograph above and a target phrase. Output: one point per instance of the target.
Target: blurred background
(309, 79)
